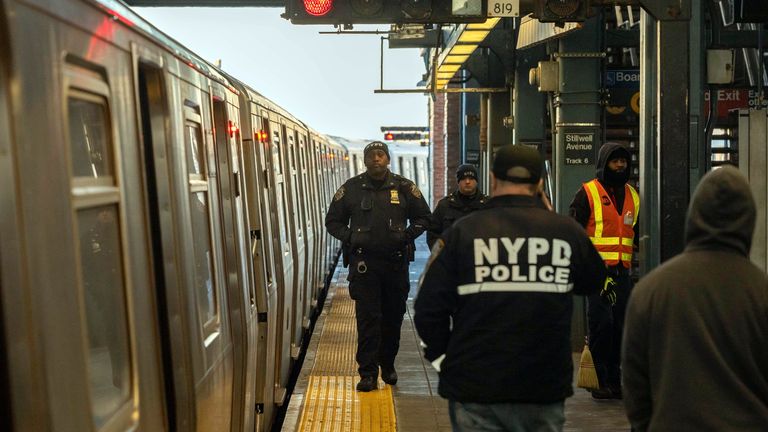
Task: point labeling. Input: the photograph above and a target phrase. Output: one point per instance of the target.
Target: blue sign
(623, 78)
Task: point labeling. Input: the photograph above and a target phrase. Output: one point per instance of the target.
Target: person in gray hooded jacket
(695, 352)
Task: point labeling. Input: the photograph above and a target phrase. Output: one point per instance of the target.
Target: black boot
(367, 383)
(602, 393)
(389, 375)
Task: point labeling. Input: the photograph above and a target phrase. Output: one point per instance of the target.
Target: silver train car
(162, 248)
(407, 159)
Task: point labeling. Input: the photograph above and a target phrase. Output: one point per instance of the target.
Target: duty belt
(397, 255)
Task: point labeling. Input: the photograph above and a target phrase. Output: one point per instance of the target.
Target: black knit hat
(466, 170)
(518, 164)
(376, 145)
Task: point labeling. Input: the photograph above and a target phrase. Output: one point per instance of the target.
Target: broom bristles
(587, 376)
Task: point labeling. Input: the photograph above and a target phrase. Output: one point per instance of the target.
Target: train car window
(91, 155)
(195, 150)
(96, 198)
(199, 208)
(294, 142)
(416, 171)
(276, 164)
(204, 273)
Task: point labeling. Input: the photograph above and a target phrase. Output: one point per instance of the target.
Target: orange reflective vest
(612, 233)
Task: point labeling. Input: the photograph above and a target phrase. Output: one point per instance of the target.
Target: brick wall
(445, 127)
(453, 125)
(437, 138)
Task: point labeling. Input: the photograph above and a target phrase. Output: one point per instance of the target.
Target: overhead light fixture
(452, 59)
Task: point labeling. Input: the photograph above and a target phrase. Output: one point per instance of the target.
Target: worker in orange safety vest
(607, 207)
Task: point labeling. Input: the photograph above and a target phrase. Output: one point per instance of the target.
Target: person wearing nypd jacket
(370, 215)
(463, 201)
(607, 207)
(495, 302)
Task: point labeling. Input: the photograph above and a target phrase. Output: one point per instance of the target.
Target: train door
(308, 213)
(321, 233)
(266, 266)
(283, 227)
(326, 177)
(296, 234)
(170, 309)
(205, 257)
(237, 286)
(21, 404)
(112, 272)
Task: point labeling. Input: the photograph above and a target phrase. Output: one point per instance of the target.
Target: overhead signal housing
(561, 10)
(343, 12)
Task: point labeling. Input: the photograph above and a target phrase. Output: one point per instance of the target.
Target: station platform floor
(324, 398)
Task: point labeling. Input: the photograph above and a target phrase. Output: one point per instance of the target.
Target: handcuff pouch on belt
(361, 267)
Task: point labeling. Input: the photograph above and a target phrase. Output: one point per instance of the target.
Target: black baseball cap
(518, 164)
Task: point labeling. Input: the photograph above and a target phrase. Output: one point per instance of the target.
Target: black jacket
(579, 208)
(374, 222)
(695, 354)
(506, 340)
(450, 209)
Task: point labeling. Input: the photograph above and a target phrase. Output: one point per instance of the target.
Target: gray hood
(722, 213)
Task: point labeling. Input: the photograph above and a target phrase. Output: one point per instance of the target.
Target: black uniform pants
(606, 327)
(380, 295)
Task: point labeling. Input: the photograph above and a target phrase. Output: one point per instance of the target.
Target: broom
(587, 376)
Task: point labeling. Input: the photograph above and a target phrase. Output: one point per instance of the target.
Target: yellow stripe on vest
(597, 206)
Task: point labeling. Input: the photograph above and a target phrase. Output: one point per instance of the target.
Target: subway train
(162, 248)
(407, 159)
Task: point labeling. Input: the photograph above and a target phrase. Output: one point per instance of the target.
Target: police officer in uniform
(495, 303)
(607, 207)
(370, 215)
(463, 201)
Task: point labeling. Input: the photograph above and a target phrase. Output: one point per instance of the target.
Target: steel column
(649, 256)
(672, 73)
(578, 110)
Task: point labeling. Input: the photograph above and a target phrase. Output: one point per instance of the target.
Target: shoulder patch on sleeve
(339, 194)
(415, 190)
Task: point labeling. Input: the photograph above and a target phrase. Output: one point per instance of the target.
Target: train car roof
(122, 13)
(255, 96)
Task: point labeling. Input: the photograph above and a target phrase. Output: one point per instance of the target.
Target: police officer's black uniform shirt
(450, 209)
(372, 220)
(496, 300)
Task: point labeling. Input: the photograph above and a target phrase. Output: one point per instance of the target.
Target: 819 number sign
(503, 8)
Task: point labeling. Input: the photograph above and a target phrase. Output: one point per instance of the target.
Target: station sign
(623, 104)
(733, 99)
(472, 156)
(623, 78)
(579, 148)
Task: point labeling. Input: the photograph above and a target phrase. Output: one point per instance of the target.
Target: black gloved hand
(608, 293)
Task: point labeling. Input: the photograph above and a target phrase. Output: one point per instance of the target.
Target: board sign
(472, 156)
(579, 148)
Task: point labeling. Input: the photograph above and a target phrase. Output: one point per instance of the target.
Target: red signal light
(233, 129)
(261, 136)
(389, 136)
(318, 7)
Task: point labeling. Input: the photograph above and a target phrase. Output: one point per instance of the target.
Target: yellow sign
(635, 103)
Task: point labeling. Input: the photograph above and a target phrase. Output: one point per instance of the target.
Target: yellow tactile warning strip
(331, 402)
